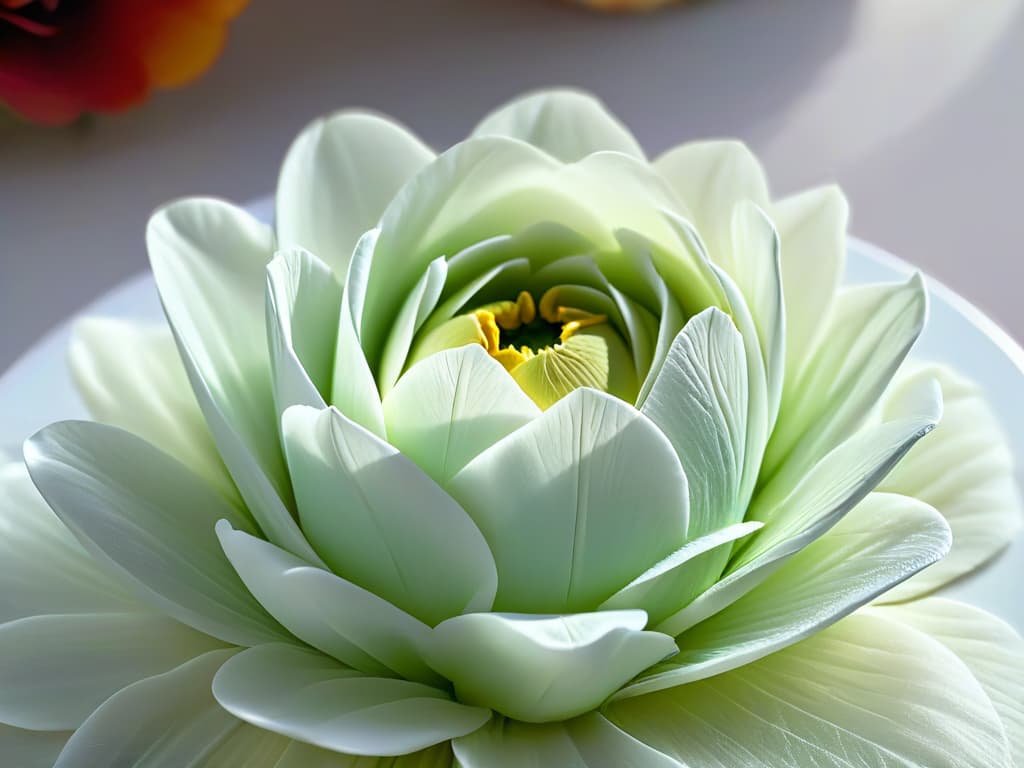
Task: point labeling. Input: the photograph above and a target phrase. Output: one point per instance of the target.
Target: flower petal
(209, 260)
(451, 406)
(55, 670)
(303, 309)
(568, 125)
(131, 376)
(303, 694)
(884, 540)
(380, 522)
(590, 741)
(539, 668)
(331, 614)
(964, 469)
(865, 692)
(43, 568)
(557, 522)
(337, 179)
(31, 749)
(150, 519)
(991, 649)
(165, 721)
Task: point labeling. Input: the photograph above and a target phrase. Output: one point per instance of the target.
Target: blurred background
(916, 107)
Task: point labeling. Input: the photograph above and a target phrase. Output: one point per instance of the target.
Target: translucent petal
(566, 124)
(150, 519)
(865, 692)
(380, 522)
(451, 406)
(55, 670)
(303, 694)
(418, 306)
(557, 500)
(31, 749)
(538, 668)
(337, 179)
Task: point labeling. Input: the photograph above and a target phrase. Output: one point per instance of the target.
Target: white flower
(532, 453)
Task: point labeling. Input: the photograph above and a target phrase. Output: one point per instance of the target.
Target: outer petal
(337, 179)
(588, 496)
(131, 376)
(209, 260)
(865, 692)
(543, 668)
(885, 540)
(55, 670)
(991, 649)
(382, 523)
(31, 749)
(966, 471)
(590, 741)
(302, 694)
(451, 406)
(566, 124)
(147, 517)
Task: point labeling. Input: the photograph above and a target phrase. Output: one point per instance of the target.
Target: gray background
(915, 106)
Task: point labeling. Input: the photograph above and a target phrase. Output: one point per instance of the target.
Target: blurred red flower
(59, 58)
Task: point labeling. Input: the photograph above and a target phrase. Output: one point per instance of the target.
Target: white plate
(37, 389)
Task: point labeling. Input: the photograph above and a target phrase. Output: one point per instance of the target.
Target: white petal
(699, 400)
(539, 668)
(31, 749)
(165, 721)
(131, 376)
(337, 179)
(566, 124)
(883, 541)
(812, 229)
(303, 694)
(991, 649)
(557, 500)
(146, 516)
(380, 522)
(55, 670)
(964, 469)
(43, 568)
(209, 260)
(303, 310)
(331, 614)
(586, 742)
(451, 406)
(420, 302)
(865, 692)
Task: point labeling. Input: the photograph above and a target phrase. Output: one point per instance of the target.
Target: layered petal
(31, 749)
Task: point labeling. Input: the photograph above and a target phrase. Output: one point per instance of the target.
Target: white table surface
(914, 106)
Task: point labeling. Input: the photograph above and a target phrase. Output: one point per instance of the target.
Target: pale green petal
(568, 125)
(576, 504)
(883, 541)
(209, 260)
(55, 670)
(165, 721)
(451, 406)
(865, 692)
(672, 583)
(538, 668)
(699, 400)
(131, 376)
(151, 520)
(869, 335)
(303, 311)
(331, 614)
(812, 229)
(43, 568)
(590, 741)
(300, 693)
(964, 469)
(382, 523)
(354, 390)
(32, 749)
(991, 649)
(420, 302)
(337, 179)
